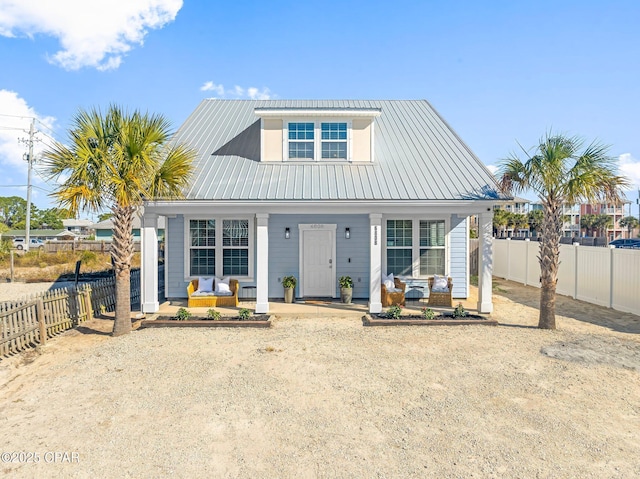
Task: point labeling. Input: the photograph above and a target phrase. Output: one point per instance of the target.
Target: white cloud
(14, 124)
(493, 169)
(630, 167)
(93, 33)
(256, 94)
(210, 86)
(237, 91)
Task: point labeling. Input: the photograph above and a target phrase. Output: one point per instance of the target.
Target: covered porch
(276, 247)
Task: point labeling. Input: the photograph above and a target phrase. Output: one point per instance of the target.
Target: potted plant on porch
(346, 289)
(289, 283)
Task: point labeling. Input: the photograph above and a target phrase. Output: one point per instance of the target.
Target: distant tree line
(504, 220)
(13, 215)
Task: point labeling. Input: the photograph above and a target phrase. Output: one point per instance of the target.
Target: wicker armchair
(393, 299)
(440, 298)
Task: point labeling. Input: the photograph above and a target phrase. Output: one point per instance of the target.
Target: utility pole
(32, 132)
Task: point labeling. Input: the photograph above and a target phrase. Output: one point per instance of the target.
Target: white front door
(317, 274)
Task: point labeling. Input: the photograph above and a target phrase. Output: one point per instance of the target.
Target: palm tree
(588, 221)
(534, 218)
(560, 173)
(500, 222)
(116, 161)
(629, 222)
(519, 222)
(602, 223)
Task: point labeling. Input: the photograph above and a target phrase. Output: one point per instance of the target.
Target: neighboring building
(104, 229)
(80, 228)
(571, 213)
(519, 206)
(615, 212)
(514, 205)
(321, 189)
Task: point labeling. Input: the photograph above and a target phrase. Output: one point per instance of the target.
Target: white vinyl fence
(605, 276)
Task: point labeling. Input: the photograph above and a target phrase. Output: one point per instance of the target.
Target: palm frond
(117, 158)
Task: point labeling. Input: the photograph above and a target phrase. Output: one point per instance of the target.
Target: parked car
(632, 243)
(34, 243)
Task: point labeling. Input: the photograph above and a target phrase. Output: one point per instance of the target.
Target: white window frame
(219, 247)
(297, 140)
(443, 247)
(415, 242)
(317, 139)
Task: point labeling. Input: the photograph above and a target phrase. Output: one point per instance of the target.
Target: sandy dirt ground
(329, 398)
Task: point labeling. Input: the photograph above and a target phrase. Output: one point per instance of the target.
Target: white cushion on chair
(388, 281)
(440, 284)
(222, 286)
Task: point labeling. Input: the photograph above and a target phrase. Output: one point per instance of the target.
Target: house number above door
(317, 226)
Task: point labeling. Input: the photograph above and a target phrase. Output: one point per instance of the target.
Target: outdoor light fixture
(287, 233)
(347, 233)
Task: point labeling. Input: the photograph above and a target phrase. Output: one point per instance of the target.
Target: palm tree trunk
(549, 261)
(122, 253)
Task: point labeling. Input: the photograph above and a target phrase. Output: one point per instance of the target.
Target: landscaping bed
(256, 321)
(418, 320)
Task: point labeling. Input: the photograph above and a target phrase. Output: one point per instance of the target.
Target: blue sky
(500, 72)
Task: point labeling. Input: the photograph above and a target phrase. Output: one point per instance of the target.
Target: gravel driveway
(325, 398)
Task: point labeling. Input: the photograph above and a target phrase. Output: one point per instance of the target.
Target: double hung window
(334, 140)
(235, 247)
(219, 247)
(301, 141)
(202, 251)
(415, 247)
(432, 255)
(318, 140)
(399, 247)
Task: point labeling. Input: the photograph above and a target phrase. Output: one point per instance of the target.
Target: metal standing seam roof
(417, 157)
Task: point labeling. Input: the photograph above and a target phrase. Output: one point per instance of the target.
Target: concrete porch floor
(315, 308)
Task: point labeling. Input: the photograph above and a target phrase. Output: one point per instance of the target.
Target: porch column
(485, 262)
(375, 271)
(149, 264)
(262, 263)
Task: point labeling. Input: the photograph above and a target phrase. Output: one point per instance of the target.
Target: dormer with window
(317, 135)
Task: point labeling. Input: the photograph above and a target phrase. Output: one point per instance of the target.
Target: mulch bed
(257, 321)
(416, 320)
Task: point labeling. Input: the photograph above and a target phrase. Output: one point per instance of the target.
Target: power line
(19, 116)
(46, 126)
(48, 136)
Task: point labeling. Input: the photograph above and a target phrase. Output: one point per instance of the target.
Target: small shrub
(183, 314)
(428, 313)
(289, 282)
(346, 282)
(244, 314)
(459, 311)
(88, 257)
(394, 312)
(213, 314)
